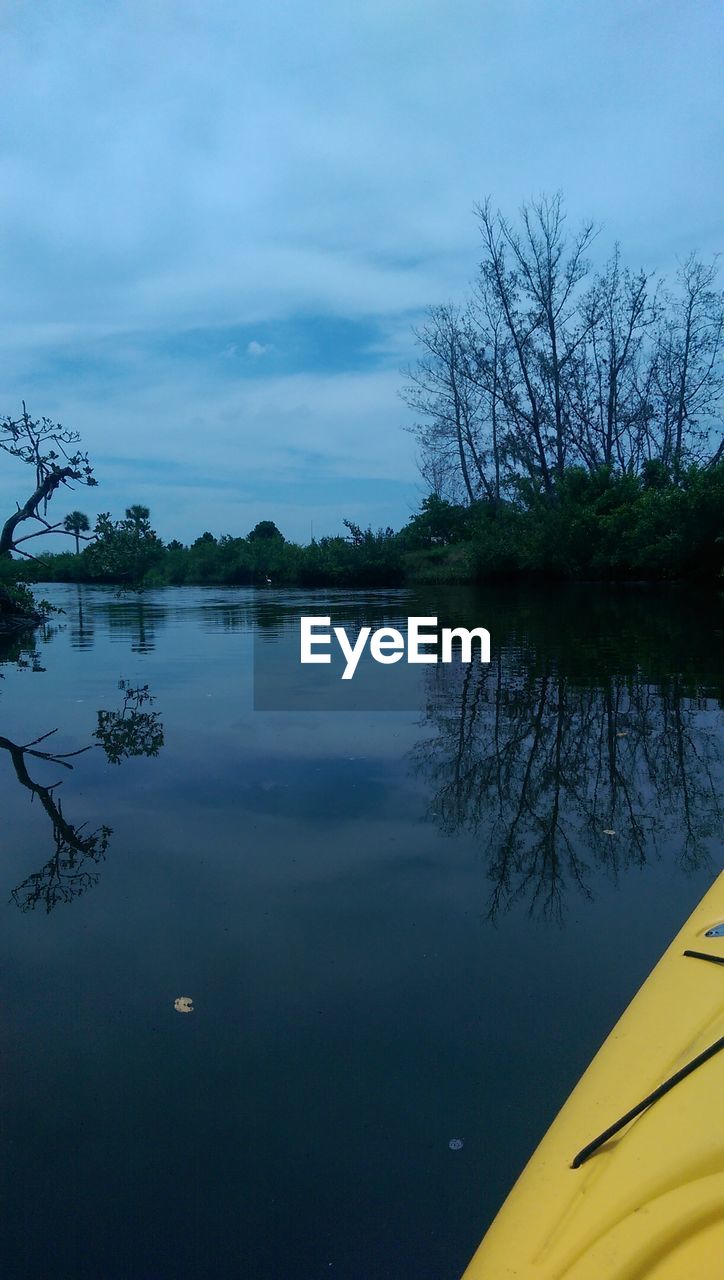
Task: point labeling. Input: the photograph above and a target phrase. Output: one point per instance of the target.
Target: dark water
(396, 928)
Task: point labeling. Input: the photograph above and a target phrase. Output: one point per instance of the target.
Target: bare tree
(449, 403)
(539, 372)
(533, 274)
(608, 391)
(485, 367)
(688, 379)
(47, 447)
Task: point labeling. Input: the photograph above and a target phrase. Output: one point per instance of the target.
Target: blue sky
(220, 220)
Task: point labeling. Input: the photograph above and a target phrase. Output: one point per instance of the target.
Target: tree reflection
(132, 615)
(82, 631)
(558, 778)
(130, 731)
(66, 874)
(20, 649)
(72, 866)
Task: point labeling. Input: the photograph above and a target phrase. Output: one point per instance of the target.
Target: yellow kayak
(628, 1183)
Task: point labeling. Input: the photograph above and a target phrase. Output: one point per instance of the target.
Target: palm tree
(139, 517)
(76, 523)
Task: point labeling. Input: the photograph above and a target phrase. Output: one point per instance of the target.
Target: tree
(485, 367)
(265, 529)
(609, 387)
(544, 369)
(687, 373)
(47, 447)
(532, 277)
(438, 523)
(448, 402)
(139, 519)
(76, 523)
(124, 550)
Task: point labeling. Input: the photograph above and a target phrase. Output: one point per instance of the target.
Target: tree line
(603, 525)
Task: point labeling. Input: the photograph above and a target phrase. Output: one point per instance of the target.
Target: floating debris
(623, 733)
(607, 831)
(455, 1144)
(183, 1004)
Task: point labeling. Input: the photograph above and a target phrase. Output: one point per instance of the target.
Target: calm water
(396, 928)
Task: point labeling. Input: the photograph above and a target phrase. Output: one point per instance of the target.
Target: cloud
(206, 178)
(203, 451)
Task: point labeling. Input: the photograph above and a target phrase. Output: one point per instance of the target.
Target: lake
(397, 927)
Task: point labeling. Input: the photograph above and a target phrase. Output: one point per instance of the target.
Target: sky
(221, 220)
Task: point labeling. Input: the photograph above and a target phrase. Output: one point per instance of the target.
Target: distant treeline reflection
(570, 753)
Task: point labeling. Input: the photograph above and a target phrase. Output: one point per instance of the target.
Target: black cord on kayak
(704, 955)
(669, 1084)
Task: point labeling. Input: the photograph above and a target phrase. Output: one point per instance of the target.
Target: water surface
(397, 927)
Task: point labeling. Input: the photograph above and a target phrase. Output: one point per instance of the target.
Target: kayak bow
(628, 1182)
